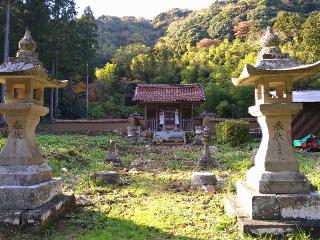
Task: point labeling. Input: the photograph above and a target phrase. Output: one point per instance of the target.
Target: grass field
(154, 201)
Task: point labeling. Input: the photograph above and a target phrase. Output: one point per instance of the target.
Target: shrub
(233, 132)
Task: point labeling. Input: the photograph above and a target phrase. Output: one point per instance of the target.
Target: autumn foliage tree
(241, 29)
(206, 42)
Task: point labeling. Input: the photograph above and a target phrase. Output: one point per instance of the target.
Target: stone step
(261, 227)
(37, 219)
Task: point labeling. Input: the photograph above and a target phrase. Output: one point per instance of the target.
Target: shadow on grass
(161, 182)
(93, 225)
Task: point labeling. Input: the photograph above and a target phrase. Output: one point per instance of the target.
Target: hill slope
(223, 18)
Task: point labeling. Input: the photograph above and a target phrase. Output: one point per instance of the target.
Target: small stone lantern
(275, 197)
(26, 183)
(205, 160)
(113, 156)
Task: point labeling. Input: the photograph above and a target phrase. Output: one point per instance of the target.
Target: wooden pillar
(157, 116)
(180, 125)
(146, 116)
(192, 116)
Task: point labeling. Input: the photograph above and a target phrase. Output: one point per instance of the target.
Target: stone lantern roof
(273, 64)
(26, 63)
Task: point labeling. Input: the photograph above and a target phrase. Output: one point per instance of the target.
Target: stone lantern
(275, 197)
(29, 196)
(206, 160)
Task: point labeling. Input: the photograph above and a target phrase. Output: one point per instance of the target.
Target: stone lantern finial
(27, 43)
(270, 39)
(26, 52)
(270, 46)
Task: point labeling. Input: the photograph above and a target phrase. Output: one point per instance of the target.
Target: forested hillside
(230, 19)
(179, 46)
(115, 32)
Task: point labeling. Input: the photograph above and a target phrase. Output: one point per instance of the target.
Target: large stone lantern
(275, 197)
(29, 196)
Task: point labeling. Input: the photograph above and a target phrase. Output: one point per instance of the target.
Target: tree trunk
(6, 34)
(87, 91)
(51, 107)
(51, 104)
(5, 53)
(56, 102)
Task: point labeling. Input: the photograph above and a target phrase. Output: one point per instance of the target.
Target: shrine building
(169, 106)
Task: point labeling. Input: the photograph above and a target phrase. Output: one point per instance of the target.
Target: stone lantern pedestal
(276, 167)
(275, 197)
(29, 196)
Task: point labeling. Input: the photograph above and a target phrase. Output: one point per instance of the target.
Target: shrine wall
(304, 123)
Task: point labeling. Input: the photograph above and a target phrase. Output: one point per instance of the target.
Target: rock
(209, 188)
(107, 177)
(203, 179)
(84, 201)
(147, 147)
(126, 182)
(140, 163)
(133, 171)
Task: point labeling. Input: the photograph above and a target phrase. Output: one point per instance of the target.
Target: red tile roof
(168, 93)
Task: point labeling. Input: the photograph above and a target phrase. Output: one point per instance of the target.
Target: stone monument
(275, 197)
(134, 134)
(29, 196)
(206, 161)
(113, 156)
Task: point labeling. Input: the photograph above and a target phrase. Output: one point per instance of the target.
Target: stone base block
(36, 219)
(260, 227)
(107, 177)
(28, 197)
(277, 182)
(278, 206)
(257, 205)
(203, 178)
(24, 175)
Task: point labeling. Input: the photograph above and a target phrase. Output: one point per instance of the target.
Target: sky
(139, 8)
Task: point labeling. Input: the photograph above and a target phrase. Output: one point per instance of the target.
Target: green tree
(225, 109)
(214, 95)
(88, 42)
(124, 55)
(142, 67)
(310, 37)
(107, 74)
(289, 24)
